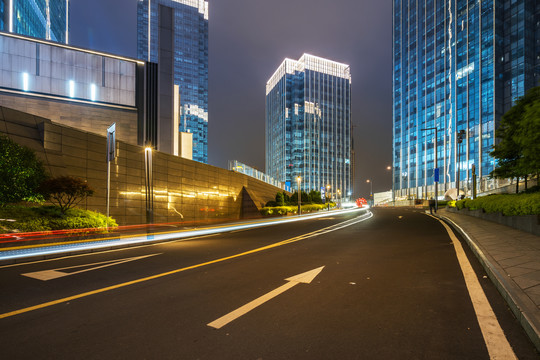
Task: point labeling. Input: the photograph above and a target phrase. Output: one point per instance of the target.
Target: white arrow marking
(305, 278)
(55, 273)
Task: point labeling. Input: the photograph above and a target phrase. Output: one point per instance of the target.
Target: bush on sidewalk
(507, 204)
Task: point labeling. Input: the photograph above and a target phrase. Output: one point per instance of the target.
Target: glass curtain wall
(190, 33)
(458, 65)
(44, 19)
(308, 125)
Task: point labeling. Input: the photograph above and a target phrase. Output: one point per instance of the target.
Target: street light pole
(149, 184)
(371, 191)
(436, 170)
(393, 195)
(299, 179)
(460, 137)
(328, 195)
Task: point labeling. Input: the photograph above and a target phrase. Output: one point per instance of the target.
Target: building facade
(308, 125)
(45, 19)
(76, 87)
(458, 66)
(174, 34)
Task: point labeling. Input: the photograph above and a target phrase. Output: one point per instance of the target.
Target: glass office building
(308, 125)
(458, 66)
(178, 32)
(44, 19)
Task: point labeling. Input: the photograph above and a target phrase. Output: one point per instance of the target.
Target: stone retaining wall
(184, 190)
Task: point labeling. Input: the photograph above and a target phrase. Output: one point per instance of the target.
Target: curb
(519, 305)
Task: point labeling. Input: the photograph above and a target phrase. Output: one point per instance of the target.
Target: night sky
(248, 41)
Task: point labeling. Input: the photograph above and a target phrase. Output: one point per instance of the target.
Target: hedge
(45, 218)
(507, 204)
(284, 210)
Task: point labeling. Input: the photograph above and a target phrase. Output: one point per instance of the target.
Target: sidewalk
(512, 260)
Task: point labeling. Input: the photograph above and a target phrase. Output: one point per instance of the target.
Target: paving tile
(526, 281)
(534, 294)
(515, 271)
(532, 265)
(506, 256)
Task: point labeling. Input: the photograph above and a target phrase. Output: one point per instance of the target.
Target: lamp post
(328, 195)
(436, 170)
(371, 191)
(299, 180)
(460, 138)
(389, 168)
(339, 198)
(149, 184)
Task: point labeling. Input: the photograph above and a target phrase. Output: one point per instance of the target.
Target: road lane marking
(157, 276)
(304, 278)
(496, 342)
(46, 275)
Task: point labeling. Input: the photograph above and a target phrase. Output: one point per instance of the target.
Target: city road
(347, 286)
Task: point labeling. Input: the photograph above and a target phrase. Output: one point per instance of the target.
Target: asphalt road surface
(385, 287)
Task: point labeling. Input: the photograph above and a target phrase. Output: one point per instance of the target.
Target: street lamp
(460, 137)
(389, 167)
(371, 191)
(436, 170)
(339, 198)
(149, 184)
(328, 195)
(299, 180)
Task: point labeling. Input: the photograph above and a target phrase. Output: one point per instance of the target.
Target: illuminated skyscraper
(45, 19)
(308, 125)
(176, 37)
(458, 67)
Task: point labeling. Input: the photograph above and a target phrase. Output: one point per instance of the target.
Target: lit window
(71, 88)
(25, 81)
(93, 92)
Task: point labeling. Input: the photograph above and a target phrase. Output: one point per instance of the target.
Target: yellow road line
(117, 286)
(496, 342)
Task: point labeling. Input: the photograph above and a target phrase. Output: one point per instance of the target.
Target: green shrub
(45, 218)
(21, 172)
(507, 204)
(284, 210)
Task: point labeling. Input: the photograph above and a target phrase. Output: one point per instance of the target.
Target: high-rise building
(458, 66)
(45, 19)
(174, 34)
(308, 125)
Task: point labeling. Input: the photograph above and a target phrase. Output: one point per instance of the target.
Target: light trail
(20, 252)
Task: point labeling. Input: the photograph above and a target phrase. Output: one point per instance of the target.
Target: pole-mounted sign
(111, 142)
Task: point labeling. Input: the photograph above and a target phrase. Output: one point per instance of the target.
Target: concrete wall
(184, 190)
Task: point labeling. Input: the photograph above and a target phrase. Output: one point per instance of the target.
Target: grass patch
(44, 218)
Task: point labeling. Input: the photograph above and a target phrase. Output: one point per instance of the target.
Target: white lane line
(46, 275)
(496, 342)
(304, 278)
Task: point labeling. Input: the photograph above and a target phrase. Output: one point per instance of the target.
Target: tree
(315, 196)
(515, 133)
(280, 199)
(528, 135)
(21, 172)
(65, 191)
